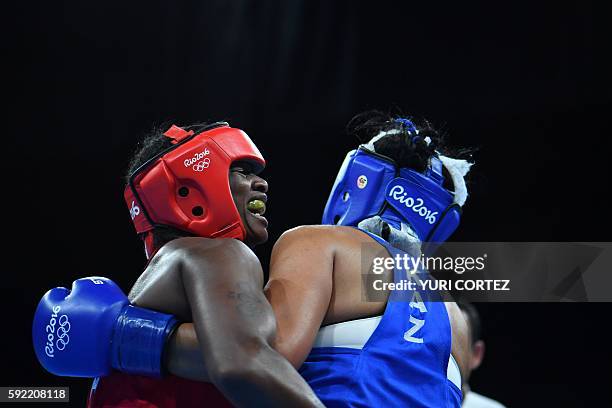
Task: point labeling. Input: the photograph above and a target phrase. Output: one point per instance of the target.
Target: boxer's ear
(478, 351)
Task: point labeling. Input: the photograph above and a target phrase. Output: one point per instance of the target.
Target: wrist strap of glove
(139, 339)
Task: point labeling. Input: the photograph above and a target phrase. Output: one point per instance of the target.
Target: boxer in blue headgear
(374, 192)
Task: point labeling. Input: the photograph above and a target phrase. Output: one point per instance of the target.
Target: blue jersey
(403, 363)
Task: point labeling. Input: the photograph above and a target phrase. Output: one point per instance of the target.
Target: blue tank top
(403, 363)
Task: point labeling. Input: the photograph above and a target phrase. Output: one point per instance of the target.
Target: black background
(525, 82)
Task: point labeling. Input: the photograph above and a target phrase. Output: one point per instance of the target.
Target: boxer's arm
(235, 326)
(183, 356)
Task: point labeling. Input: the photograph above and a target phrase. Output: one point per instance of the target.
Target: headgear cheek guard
(187, 186)
(369, 183)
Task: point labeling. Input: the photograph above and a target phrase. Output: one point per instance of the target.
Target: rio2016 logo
(199, 161)
(63, 327)
(398, 193)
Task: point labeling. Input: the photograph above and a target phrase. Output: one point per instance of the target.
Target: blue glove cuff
(139, 339)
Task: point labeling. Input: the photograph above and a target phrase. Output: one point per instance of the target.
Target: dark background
(525, 82)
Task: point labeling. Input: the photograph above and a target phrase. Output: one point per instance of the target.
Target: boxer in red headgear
(186, 185)
(188, 191)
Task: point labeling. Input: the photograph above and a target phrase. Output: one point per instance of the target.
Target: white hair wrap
(457, 170)
(370, 144)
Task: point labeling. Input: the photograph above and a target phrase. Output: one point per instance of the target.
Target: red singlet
(132, 391)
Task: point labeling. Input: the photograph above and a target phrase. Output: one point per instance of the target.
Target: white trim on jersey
(356, 333)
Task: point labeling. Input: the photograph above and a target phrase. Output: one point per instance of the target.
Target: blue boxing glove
(93, 329)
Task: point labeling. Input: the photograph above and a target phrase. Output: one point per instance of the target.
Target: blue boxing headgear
(371, 184)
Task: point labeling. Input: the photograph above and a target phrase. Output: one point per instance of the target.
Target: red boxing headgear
(187, 186)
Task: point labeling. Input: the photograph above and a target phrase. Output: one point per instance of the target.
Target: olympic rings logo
(63, 327)
(62, 333)
(200, 166)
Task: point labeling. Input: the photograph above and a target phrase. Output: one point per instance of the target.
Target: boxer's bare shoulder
(329, 236)
(315, 279)
(161, 285)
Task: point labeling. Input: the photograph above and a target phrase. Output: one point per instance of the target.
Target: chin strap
(404, 239)
(149, 248)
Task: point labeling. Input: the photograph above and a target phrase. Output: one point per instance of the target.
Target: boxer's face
(246, 188)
